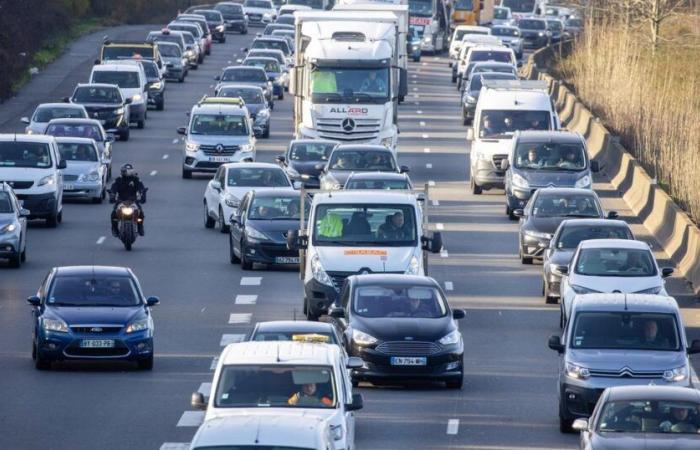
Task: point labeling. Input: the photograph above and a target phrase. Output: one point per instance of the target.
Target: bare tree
(654, 12)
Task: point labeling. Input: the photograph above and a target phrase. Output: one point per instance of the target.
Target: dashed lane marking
(428, 166)
(453, 426)
(444, 254)
(425, 136)
(165, 156)
(440, 226)
(239, 318)
(175, 141)
(251, 281)
(214, 363)
(436, 202)
(431, 183)
(422, 123)
(175, 446)
(426, 150)
(419, 112)
(246, 299)
(231, 339)
(449, 286)
(415, 89)
(191, 419)
(153, 173)
(100, 240)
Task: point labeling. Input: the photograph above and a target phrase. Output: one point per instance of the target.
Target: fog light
(521, 203)
(252, 251)
(52, 346)
(452, 365)
(140, 346)
(572, 396)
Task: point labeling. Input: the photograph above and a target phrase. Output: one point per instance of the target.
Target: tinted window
(310, 151)
(150, 68)
(650, 416)
(572, 235)
(257, 177)
(271, 208)
(251, 96)
(381, 225)
(615, 262)
(125, 80)
(240, 74)
(565, 205)
(625, 330)
(550, 156)
(500, 122)
(519, 6)
(489, 55)
(170, 50)
(219, 125)
(70, 130)
(367, 160)
(211, 16)
(268, 54)
(77, 152)
(25, 154)
(532, 24)
(88, 290)
(93, 94)
(376, 184)
(49, 113)
(275, 45)
(399, 302)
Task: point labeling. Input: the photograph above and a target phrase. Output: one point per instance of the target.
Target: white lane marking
(246, 299)
(415, 89)
(175, 446)
(449, 286)
(203, 309)
(426, 150)
(251, 281)
(440, 226)
(175, 141)
(452, 426)
(417, 103)
(414, 76)
(424, 64)
(228, 62)
(425, 136)
(416, 95)
(191, 419)
(419, 112)
(444, 254)
(431, 183)
(205, 389)
(422, 123)
(100, 240)
(153, 173)
(436, 202)
(165, 156)
(239, 318)
(231, 339)
(428, 166)
(214, 363)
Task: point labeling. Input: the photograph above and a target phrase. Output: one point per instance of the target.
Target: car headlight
(537, 234)
(28, 131)
(9, 228)
(558, 269)
(119, 111)
(415, 46)
(387, 141)
(654, 290)
(413, 267)
(92, 176)
(540, 34)
(247, 148)
(578, 372)
(318, 272)
(156, 85)
(56, 325)
(471, 99)
(221, 28)
(519, 181)
(428, 39)
(675, 375)
(137, 325)
(191, 147)
(336, 432)
(362, 338)
(583, 182)
(255, 234)
(232, 201)
(263, 113)
(451, 339)
(137, 98)
(582, 289)
(48, 180)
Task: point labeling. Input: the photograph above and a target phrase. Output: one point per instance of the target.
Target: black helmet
(127, 170)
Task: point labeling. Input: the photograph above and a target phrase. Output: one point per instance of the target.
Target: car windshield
(275, 208)
(377, 184)
(219, 125)
(574, 23)
(250, 96)
(571, 235)
(273, 44)
(464, 5)
(25, 154)
(554, 25)
(550, 156)
(519, 6)
(255, 75)
(123, 79)
(334, 85)
(310, 151)
(258, 4)
(94, 94)
(650, 416)
(77, 151)
(279, 386)
(625, 330)
(565, 205)
(296, 336)
(5, 203)
(476, 81)
(266, 65)
(475, 68)
(528, 24)
(505, 31)
(211, 16)
(189, 38)
(490, 55)
(93, 290)
(615, 262)
(49, 113)
(362, 160)
(500, 14)
(257, 177)
(503, 123)
(365, 225)
(126, 52)
(170, 50)
(423, 8)
(74, 130)
(399, 302)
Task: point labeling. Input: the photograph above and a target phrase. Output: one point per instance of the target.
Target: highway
(509, 398)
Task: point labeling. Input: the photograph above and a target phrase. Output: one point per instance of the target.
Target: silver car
(46, 112)
(618, 340)
(85, 175)
(86, 128)
(13, 227)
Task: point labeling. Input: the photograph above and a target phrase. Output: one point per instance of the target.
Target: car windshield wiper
(66, 304)
(578, 215)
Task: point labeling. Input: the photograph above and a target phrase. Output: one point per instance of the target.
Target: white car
(46, 112)
(231, 182)
(259, 12)
(612, 265)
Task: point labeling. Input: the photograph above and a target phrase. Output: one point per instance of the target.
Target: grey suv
(618, 340)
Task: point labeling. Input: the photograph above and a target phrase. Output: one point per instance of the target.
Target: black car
(470, 95)
(215, 21)
(564, 243)
(92, 313)
(378, 180)
(535, 32)
(296, 330)
(254, 76)
(351, 158)
(302, 159)
(402, 327)
(156, 85)
(105, 103)
(255, 103)
(547, 208)
(234, 16)
(258, 230)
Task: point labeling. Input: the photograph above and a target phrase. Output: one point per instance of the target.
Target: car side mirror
(235, 218)
(24, 212)
(336, 311)
(297, 185)
(217, 78)
(404, 169)
(128, 101)
(216, 185)
(470, 134)
(34, 300)
(96, 62)
(62, 164)
(433, 244)
(320, 166)
(24, 120)
(458, 314)
(66, 99)
(555, 344)
(152, 301)
(181, 130)
(356, 404)
(354, 362)
(612, 215)
(519, 212)
(693, 349)
(505, 164)
(295, 241)
(580, 425)
(281, 159)
(198, 401)
(666, 272)
(595, 166)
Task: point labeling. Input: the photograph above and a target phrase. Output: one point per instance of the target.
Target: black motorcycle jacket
(127, 188)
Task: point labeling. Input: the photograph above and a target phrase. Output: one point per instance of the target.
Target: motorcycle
(128, 219)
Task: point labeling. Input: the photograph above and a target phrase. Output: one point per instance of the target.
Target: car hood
(23, 173)
(80, 167)
(331, 414)
(7, 219)
(545, 224)
(636, 360)
(96, 315)
(307, 167)
(561, 257)
(216, 140)
(554, 178)
(275, 229)
(642, 441)
(406, 329)
(356, 258)
(609, 284)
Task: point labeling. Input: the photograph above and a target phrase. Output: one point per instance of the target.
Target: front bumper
(320, 296)
(517, 198)
(9, 245)
(82, 189)
(199, 162)
(40, 206)
(268, 252)
(54, 346)
(445, 365)
(236, 24)
(155, 97)
(175, 73)
(257, 20)
(486, 175)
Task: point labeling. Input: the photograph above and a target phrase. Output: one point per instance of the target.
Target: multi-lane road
(509, 395)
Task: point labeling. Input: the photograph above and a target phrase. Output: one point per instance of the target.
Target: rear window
(240, 74)
(5, 203)
(532, 24)
(49, 113)
(572, 235)
(121, 52)
(123, 79)
(77, 151)
(566, 205)
(75, 130)
(484, 55)
(94, 94)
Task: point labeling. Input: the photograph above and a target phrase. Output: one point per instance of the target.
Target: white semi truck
(347, 79)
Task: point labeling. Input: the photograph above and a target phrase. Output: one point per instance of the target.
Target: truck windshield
(500, 124)
(464, 5)
(25, 154)
(550, 156)
(423, 8)
(347, 225)
(625, 330)
(520, 6)
(279, 386)
(334, 85)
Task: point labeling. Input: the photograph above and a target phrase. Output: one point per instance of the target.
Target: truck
(472, 12)
(346, 79)
(430, 21)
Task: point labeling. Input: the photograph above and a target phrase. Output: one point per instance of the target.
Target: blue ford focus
(92, 313)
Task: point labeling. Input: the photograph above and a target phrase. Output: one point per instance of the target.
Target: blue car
(92, 313)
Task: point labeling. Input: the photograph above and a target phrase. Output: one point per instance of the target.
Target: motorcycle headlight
(48, 180)
(119, 111)
(255, 234)
(127, 210)
(520, 182)
(582, 289)
(55, 325)
(452, 338)
(675, 375)
(583, 182)
(576, 371)
(362, 338)
(137, 325)
(191, 147)
(9, 228)
(654, 290)
(318, 272)
(413, 267)
(232, 201)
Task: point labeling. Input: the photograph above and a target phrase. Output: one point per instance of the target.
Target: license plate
(103, 122)
(408, 361)
(287, 260)
(68, 187)
(219, 159)
(97, 343)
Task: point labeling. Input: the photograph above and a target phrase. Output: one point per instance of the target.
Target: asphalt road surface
(509, 396)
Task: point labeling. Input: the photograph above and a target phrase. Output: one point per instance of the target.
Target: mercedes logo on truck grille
(347, 125)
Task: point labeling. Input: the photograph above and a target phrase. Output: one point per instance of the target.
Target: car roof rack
(232, 101)
(108, 41)
(516, 85)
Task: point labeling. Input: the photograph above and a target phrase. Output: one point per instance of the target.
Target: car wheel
(476, 189)
(181, 79)
(454, 78)
(97, 200)
(245, 263)
(124, 135)
(39, 362)
(281, 96)
(565, 425)
(186, 174)
(244, 31)
(524, 259)
(23, 256)
(160, 106)
(465, 120)
(231, 253)
(208, 221)
(222, 222)
(455, 383)
(145, 364)
(52, 221)
(16, 260)
(140, 124)
(266, 134)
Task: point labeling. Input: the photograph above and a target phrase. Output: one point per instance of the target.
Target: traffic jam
(312, 136)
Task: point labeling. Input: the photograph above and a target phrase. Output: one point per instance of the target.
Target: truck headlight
(362, 338)
(413, 267)
(519, 181)
(318, 272)
(675, 375)
(577, 372)
(583, 182)
(48, 180)
(137, 325)
(55, 325)
(191, 147)
(451, 339)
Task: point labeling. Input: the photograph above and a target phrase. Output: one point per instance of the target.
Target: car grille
(409, 348)
(101, 113)
(255, 17)
(338, 278)
(226, 150)
(364, 129)
(20, 184)
(70, 177)
(627, 373)
(96, 329)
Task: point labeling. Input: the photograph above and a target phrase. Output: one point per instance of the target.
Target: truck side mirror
(434, 243)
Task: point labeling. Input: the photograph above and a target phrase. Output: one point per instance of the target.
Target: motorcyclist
(127, 187)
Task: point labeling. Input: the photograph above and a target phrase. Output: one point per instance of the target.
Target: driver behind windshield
(393, 228)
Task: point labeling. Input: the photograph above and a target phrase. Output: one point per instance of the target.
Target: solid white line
(231, 339)
(422, 123)
(100, 240)
(416, 95)
(153, 173)
(452, 426)
(440, 226)
(428, 166)
(419, 112)
(251, 281)
(431, 183)
(165, 156)
(175, 141)
(191, 419)
(425, 136)
(449, 286)
(205, 389)
(175, 446)
(436, 202)
(444, 254)
(426, 150)
(246, 299)
(240, 318)
(214, 363)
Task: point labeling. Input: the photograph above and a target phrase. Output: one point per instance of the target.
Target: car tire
(160, 106)
(524, 259)
(465, 120)
(97, 200)
(208, 221)
(455, 383)
(39, 362)
(281, 95)
(266, 134)
(454, 78)
(231, 254)
(16, 260)
(145, 364)
(140, 124)
(186, 174)
(23, 255)
(475, 188)
(562, 315)
(124, 135)
(181, 79)
(52, 221)
(223, 228)
(244, 31)
(245, 263)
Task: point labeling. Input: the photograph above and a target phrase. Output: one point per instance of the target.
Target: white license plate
(287, 260)
(219, 159)
(68, 187)
(408, 361)
(97, 343)
(103, 122)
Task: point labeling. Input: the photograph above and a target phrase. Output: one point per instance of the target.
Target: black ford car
(234, 16)
(105, 103)
(302, 158)
(402, 328)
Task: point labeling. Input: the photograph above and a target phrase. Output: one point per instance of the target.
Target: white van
(356, 232)
(287, 379)
(32, 166)
(132, 81)
(504, 107)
